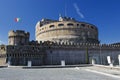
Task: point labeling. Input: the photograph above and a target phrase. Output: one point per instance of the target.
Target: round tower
(66, 29)
(18, 37)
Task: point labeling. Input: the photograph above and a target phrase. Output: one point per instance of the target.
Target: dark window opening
(92, 27)
(77, 24)
(60, 24)
(70, 24)
(51, 26)
(83, 25)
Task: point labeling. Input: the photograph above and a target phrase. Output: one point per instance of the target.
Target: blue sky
(105, 14)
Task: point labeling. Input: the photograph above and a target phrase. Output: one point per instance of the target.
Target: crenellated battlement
(68, 45)
(18, 37)
(18, 33)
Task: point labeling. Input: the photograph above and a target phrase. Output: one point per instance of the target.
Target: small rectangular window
(60, 24)
(70, 24)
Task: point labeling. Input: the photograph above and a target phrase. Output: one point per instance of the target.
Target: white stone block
(29, 63)
(62, 63)
(9, 63)
(93, 61)
(119, 59)
(109, 59)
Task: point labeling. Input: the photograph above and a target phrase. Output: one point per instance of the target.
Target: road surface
(77, 73)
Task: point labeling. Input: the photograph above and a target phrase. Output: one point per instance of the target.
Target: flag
(17, 19)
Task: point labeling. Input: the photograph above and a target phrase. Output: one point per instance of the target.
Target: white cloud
(78, 10)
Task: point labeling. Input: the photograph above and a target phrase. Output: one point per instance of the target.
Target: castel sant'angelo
(66, 29)
(66, 39)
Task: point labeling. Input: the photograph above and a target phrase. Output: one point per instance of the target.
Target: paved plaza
(74, 73)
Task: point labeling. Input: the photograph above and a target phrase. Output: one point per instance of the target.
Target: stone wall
(69, 56)
(83, 54)
(53, 54)
(21, 54)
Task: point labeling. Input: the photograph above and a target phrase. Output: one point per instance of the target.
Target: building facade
(65, 40)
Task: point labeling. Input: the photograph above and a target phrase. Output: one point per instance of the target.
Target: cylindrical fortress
(66, 30)
(19, 37)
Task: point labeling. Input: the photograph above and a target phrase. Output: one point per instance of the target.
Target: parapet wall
(18, 33)
(78, 45)
(52, 53)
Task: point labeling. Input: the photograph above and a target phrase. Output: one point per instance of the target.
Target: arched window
(70, 24)
(88, 26)
(60, 24)
(82, 25)
(92, 27)
(51, 26)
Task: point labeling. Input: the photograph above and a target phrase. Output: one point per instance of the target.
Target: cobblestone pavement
(77, 73)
